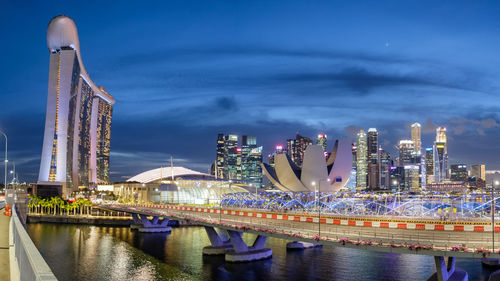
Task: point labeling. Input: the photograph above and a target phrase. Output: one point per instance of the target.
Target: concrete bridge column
(448, 272)
(143, 224)
(243, 253)
(220, 242)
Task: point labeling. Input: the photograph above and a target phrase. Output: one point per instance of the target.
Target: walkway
(4, 245)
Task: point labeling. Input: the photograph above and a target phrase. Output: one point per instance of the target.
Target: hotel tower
(76, 142)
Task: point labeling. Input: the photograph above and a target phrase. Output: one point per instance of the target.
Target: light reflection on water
(79, 252)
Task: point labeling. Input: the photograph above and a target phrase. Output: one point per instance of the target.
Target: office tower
(361, 160)
(277, 150)
(458, 172)
(429, 165)
(321, 141)
(76, 144)
(406, 153)
(251, 160)
(416, 137)
(440, 155)
(412, 178)
(385, 166)
(373, 160)
(478, 171)
(221, 146)
(232, 158)
(296, 148)
(397, 182)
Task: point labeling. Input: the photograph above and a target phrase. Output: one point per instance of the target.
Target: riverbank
(91, 220)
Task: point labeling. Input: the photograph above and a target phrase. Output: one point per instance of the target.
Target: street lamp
(317, 192)
(494, 184)
(6, 161)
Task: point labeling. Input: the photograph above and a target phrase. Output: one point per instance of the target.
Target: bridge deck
(351, 235)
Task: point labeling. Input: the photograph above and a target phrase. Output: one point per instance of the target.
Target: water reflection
(79, 252)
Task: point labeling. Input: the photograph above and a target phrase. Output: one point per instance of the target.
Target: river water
(82, 252)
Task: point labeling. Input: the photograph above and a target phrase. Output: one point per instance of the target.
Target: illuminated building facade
(296, 148)
(478, 171)
(406, 152)
(232, 158)
(219, 161)
(373, 160)
(251, 161)
(440, 155)
(458, 172)
(416, 137)
(77, 136)
(361, 161)
(271, 157)
(429, 165)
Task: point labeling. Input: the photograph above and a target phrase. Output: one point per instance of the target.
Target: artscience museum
(329, 175)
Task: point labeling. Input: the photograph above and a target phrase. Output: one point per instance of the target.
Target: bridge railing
(30, 263)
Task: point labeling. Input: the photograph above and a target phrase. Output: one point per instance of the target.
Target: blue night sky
(182, 71)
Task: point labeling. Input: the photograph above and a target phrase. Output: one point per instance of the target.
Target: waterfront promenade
(4, 245)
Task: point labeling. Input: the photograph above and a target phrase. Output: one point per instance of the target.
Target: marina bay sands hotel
(76, 144)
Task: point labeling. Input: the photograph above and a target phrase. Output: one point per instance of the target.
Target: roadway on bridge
(440, 239)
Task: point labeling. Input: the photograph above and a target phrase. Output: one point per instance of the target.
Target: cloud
(226, 103)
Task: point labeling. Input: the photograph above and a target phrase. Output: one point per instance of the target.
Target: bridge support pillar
(298, 245)
(220, 241)
(243, 253)
(143, 224)
(448, 272)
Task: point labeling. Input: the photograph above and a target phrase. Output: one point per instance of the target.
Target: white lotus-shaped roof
(330, 174)
(164, 173)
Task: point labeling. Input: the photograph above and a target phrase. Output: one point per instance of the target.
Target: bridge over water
(473, 239)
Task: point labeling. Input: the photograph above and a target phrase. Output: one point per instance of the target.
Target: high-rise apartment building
(361, 160)
(373, 159)
(296, 148)
(458, 172)
(416, 137)
(440, 155)
(321, 141)
(478, 171)
(76, 144)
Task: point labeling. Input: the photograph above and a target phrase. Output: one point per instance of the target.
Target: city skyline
(190, 85)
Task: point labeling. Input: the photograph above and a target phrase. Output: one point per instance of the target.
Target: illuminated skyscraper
(406, 152)
(373, 160)
(321, 141)
(361, 160)
(76, 144)
(458, 172)
(251, 160)
(429, 165)
(416, 137)
(440, 155)
(232, 158)
(219, 169)
(478, 171)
